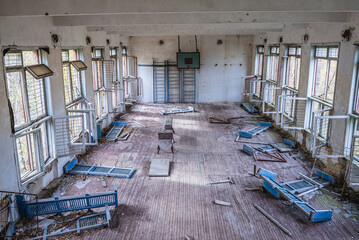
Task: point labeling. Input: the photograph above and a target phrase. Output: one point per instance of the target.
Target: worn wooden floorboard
(181, 205)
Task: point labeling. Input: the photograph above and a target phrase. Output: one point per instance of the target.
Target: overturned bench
(65, 204)
(288, 191)
(74, 168)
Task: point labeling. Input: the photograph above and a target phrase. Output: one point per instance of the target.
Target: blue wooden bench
(74, 168)
(65, 204)
(83, 223)
(287, 191)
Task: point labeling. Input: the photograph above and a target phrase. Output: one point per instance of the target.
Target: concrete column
(88, 81)
(55, 90)
(9, 178)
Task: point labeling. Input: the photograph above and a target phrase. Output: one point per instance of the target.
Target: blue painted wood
(248, 149)
(323, 175)
(289, 142)
(267, 173)
(245, 134)
(277, 190)
(249, 108)
(265, 124)
(83, 223)
(67, 204)
(74, 168)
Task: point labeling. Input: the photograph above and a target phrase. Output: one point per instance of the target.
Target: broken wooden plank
(222, 203)
(228, 180)
(217, 120)
(159, 168)
(273, 220)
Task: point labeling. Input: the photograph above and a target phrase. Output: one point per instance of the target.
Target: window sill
(50, 161)
(31, 178)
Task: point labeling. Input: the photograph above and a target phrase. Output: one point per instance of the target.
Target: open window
(270, 89)
(31, 123)
(256, 84)
(293, 111)
(100, 94)
(39, 71)
(70, 135)
(117, 90)
(72, 75)
(289, 83)
(323, 144)
(323, 80)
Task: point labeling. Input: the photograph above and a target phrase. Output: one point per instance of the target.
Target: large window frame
(73, 78)
(258, 69)
(322, 56)
(100, 93)
(272, 75)
(116, 94)
(33, 140)
(290, 79)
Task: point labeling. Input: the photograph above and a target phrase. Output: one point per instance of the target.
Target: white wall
(223, 67)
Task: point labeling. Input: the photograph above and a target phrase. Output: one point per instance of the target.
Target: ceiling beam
(78, 7)
(194, 29)
(199, 18)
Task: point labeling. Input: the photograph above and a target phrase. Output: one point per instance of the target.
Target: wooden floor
(181, 205)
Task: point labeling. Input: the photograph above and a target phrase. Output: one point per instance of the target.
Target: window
(116, 91)
(325, 72)
(258, 69)
(272, 74)
(71, 75)
(124, 62)
(100, 93)
(324, 64)
(27, 96)
(290, 81)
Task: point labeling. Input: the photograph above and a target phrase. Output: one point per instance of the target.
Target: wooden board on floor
(159, 168)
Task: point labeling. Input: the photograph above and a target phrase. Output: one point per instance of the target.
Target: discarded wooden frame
(288, 192)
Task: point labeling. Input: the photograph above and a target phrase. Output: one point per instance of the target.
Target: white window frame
(33, 126)
(80, 74)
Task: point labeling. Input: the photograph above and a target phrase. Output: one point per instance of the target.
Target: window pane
(124, 65)
(36, 97)
(333, 52)
(320, 78)
(331, 80)
(73, 55)
(291, 51)
(321, 52)
(272, 68)
(30, 58)
(44, 140)
(26, 154)
(76, 83)
(16, 96)
(299, 51)
(65, 56)
(293, 71)
(67, 85)
(13, 60)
